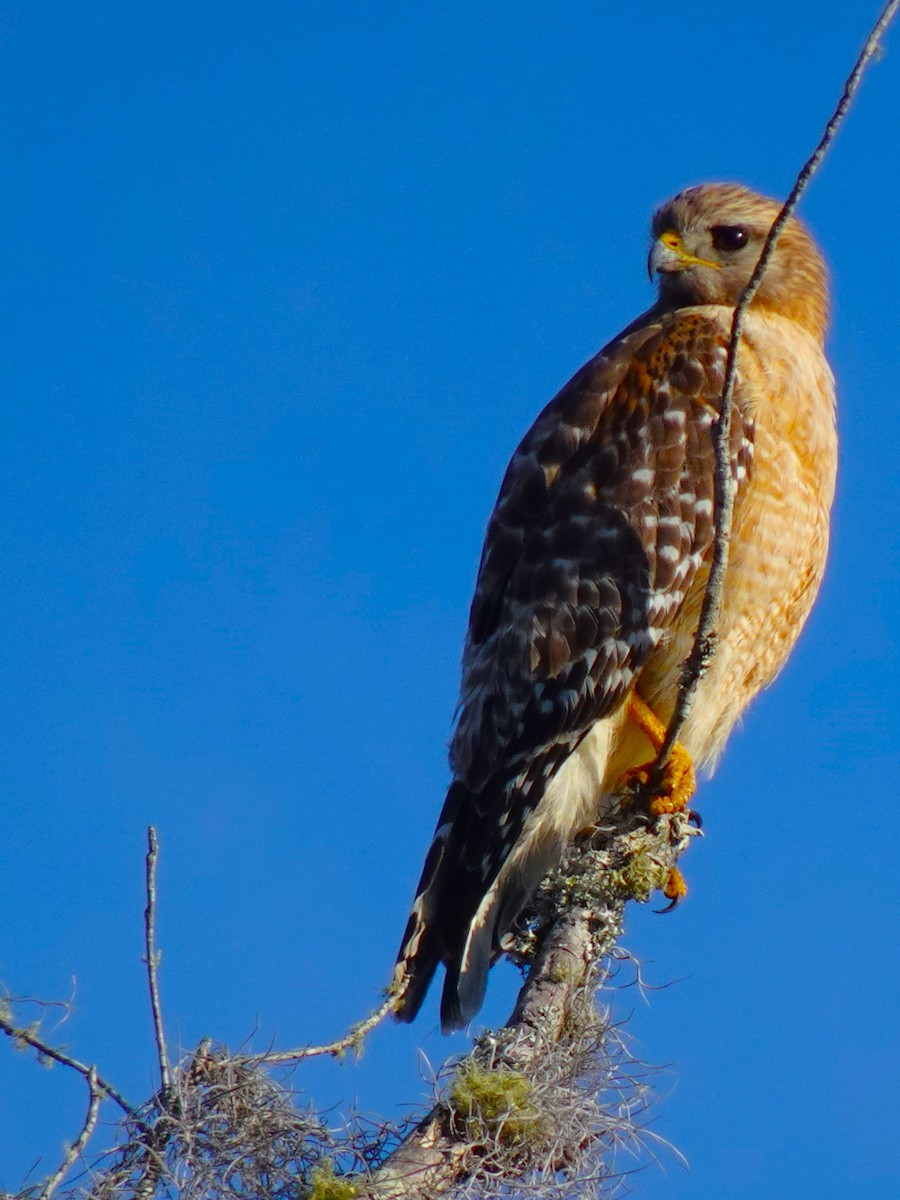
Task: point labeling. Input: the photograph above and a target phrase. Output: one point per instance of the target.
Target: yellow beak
(669, 255)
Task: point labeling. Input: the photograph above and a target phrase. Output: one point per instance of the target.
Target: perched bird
(594, 567)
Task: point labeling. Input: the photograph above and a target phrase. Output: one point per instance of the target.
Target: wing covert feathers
(593, 569)
(600, 528)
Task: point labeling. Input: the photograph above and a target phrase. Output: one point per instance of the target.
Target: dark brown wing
(603, 520)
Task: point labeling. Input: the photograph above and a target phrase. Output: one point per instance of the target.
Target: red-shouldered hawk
(595, 563)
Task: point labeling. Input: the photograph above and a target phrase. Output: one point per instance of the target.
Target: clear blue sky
(284, 285)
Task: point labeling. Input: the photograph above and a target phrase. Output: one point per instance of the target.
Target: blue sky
(284, 287)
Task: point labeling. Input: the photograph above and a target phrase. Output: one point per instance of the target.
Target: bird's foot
(672, 786)
(664, 791)
(672, 789)
(674, 889)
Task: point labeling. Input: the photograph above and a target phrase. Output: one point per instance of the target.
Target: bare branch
(570, 1093)
(152, 959)
(229, 1130)
(337, 1049)
(571, 928)
(705, 638)
(219, 1125)
(90, 1122)
(29, 1038)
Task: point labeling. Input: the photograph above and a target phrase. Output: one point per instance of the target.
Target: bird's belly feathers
(779, 542)
(779, 545)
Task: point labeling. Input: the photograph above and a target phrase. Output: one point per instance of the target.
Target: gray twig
(429, 1160)
(352, 1040)
(72, 1152)
(575, 920)
(29, 1038)
(703, 646)
(152, 959)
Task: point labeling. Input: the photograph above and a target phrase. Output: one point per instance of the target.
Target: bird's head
(706, 243)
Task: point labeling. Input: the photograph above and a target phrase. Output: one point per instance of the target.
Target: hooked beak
(668, 255)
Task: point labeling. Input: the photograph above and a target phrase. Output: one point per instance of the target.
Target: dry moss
(497, 1105)
(325, 1185)
(640, 877)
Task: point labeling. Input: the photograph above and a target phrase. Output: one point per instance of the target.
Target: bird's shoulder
(636, 392)
(602, 520)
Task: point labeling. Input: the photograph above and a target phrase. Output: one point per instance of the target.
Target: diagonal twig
(65, 1060)
(352, 1040)
(704, 643)
(73, 1151)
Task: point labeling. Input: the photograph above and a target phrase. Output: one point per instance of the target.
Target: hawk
(594, 568)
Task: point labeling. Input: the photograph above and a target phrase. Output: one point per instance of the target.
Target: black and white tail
(479, 872)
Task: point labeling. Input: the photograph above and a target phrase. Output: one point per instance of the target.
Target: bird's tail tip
(410, 982)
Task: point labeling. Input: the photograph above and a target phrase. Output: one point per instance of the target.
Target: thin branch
(573, 923)
(430, 1159)
(73, 1151)
(152, 959)
(154, 1162)
(30, 1039)
(704, 644)
(65, 1005)
(352, 1040)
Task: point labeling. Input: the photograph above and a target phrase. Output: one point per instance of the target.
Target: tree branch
(29, 1038)
(73, 1151)
(570, 930)
(152, 959)
(352, 1040)
(705, 638)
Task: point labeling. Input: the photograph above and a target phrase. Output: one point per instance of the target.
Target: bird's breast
(779, 538)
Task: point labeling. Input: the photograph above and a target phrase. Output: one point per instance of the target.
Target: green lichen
(565, 971)
(497, 1106)
(325, 1185)
(639, 878)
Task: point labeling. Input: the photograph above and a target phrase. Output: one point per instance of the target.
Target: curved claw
(671, 786)
(675, 889)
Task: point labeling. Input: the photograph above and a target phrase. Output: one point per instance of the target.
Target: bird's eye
(729, 237)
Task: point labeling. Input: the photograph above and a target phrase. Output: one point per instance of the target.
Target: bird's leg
(675, 786)
(677, 782)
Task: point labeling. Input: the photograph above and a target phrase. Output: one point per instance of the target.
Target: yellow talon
(679, 780)
(675, 888)
(672, 793)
